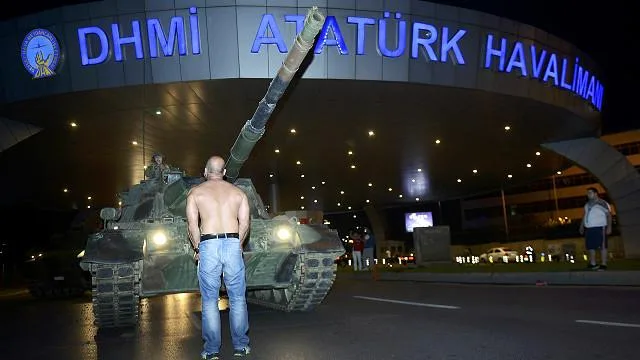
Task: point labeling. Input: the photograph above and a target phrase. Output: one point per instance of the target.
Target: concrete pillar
(378, 226)
(616, 174)
(274, 196)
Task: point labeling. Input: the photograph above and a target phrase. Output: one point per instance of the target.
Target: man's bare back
(220, 206)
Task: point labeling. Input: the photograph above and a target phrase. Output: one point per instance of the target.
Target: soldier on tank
(156, 168)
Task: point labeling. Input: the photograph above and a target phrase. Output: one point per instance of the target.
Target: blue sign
(443, 44)
(97, 53)
(40, 53)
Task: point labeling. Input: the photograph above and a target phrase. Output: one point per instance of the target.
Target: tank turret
(144, 249)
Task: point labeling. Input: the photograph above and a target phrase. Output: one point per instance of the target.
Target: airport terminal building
(419, 71)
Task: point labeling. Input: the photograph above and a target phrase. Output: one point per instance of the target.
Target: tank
(144, 251)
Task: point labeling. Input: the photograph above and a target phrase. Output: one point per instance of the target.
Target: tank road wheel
(115, 291)
(313, 277)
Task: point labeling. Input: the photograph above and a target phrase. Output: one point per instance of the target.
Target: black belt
(204, 237)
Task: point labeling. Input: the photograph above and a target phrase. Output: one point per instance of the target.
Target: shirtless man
(223, 211)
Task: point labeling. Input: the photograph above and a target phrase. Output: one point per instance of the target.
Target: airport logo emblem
(40, 53)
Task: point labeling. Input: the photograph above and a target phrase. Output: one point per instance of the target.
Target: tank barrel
(254, 128)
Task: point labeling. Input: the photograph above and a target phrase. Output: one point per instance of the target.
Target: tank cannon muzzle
(254, 128)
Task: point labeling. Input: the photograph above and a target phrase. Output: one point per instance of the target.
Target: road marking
(195, 320)
(408, 302)
(608, 323)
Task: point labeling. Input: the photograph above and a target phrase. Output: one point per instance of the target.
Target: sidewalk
(590, 278)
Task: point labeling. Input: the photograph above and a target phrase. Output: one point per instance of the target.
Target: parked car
(498, 254)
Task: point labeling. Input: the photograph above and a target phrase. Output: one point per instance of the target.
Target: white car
(498, 254)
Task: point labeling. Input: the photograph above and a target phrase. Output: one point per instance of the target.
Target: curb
(13, 292)
(596, 278)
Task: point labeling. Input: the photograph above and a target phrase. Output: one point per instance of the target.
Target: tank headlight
(159, 238)
(81, 254)
(284, 233)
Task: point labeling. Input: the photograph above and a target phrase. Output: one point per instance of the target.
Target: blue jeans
(222, 256)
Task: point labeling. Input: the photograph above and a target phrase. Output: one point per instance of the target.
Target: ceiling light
(367, 201)
(437, 141)
(371, 133)
(350, 152)
(301, 197)
(354, 216)
(509, 176)
(559, 173)
(276, 151)
(270, 175)
(507, 127)
(73, 124)
(528, 165)
(353, 166)
(390, 189)
(413, 180)
(302, 175)
(88, 206)
(315, 201)
(370, 184)
(339, 204)
(475, 171)
(400, 196)
(537, 153)
(301, 207)
(298, 162)
(88, 197)
(313, 188)
(349, 207)
(417, 199)
(323, 183)
(459, 180)
(341, 192)
(158, 112)
(419, 170)
(134, 142)
(293, 131)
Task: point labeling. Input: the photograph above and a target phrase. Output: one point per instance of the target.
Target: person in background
(595, 226)
(356, 250)
(367, 252)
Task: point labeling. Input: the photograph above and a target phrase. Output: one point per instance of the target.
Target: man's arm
(244, 217)
(192, 220)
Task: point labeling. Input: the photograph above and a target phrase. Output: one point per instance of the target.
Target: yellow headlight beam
(159, 238)
(284, 234)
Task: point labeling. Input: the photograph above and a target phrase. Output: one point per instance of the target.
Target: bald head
(214, 167)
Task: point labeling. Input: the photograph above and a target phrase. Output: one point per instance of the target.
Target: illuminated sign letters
(448, 44)
(156, 36)
(423, 43)
(540, 64)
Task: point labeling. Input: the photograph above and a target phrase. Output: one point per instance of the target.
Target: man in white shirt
(596, 225)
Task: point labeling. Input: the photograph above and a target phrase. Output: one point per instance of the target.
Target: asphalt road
(359, 320)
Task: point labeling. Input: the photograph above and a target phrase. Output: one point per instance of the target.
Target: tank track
(115, 290)
(313, 277)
